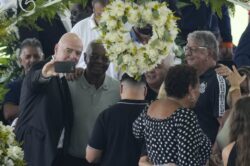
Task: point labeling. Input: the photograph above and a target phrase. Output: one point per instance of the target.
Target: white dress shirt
(87, 31)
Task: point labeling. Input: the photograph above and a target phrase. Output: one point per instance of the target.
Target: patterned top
(176, 139)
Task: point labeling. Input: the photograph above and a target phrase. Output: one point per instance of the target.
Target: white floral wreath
(10, 151)
(116, 23)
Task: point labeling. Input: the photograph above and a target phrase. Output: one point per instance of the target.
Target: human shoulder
(15, 83)
(80, 25)
(107, 113)
(111, 82)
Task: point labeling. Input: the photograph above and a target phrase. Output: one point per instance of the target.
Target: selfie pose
(46, 109)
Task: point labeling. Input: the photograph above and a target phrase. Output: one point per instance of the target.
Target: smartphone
(65, 67)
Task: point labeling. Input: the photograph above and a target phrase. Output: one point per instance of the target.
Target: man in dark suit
(46, 109)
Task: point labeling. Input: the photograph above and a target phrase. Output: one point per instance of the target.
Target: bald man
(46, 108)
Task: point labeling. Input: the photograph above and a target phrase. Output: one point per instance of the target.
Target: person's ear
(190, 91)
(121, 89)
(55, 50)
(86, 59)
(19, 61)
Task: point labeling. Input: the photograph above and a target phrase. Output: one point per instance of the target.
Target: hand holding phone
(64, 67)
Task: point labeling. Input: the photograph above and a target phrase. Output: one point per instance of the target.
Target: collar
(86, 85)
(130, 101)
(209, 72)
(92, 22)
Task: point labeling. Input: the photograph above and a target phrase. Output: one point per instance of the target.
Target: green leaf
(155, 13)
(124, 19)
(166, 36)
(180, 5)
(124, 68)
(154, 42)
(119, 60)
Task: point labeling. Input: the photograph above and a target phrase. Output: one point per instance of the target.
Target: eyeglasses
(193, 49)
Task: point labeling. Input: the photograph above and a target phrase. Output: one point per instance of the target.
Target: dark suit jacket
(46, 109)
(242, 53)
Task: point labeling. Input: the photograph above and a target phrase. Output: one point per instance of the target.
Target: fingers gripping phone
(65, 67)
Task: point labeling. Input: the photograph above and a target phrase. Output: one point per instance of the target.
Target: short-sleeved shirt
(88, 102)
(176, 139)
(113, 134)
(211, 103)
(13, 95)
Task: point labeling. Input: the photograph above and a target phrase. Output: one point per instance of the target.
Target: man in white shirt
(87, 32)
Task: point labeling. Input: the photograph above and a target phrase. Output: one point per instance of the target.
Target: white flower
(105, 16)
(132, 69)
(8, 162)
(133, 16)
(137, 58)
(15, 152)
(127, 58)
(146, 14)
(111, 23)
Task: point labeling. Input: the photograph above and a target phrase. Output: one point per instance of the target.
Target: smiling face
(195, 55)
(69, 48)
(96, 59)
(30, 55)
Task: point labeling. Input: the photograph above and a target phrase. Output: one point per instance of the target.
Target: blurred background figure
(78, 12)
(155, 77)
(239, 82)
(237, 152)
(242, 54)
(30, 53)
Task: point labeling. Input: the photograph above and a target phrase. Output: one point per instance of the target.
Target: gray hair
(206, 39)
(31, 42)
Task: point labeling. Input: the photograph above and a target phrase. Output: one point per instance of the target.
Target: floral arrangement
(115, 25)
(243, 3)
(10, 152)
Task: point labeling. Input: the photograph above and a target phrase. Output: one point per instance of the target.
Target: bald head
(95, 45)
(69, 48)
(70, 37)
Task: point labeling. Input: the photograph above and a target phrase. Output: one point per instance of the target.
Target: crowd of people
(191, 114)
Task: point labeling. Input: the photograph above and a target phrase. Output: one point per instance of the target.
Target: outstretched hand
(49, 69)
(73, 76)
(234, 78)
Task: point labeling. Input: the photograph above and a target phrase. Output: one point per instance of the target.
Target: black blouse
(232, 157)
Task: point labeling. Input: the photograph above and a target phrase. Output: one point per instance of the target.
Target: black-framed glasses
(193, 49)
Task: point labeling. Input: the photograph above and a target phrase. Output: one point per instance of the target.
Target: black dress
(176, 139)
(232, 157)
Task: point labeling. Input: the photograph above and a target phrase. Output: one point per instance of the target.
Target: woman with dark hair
(239, 81)
(237, 153)
(170, 127)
